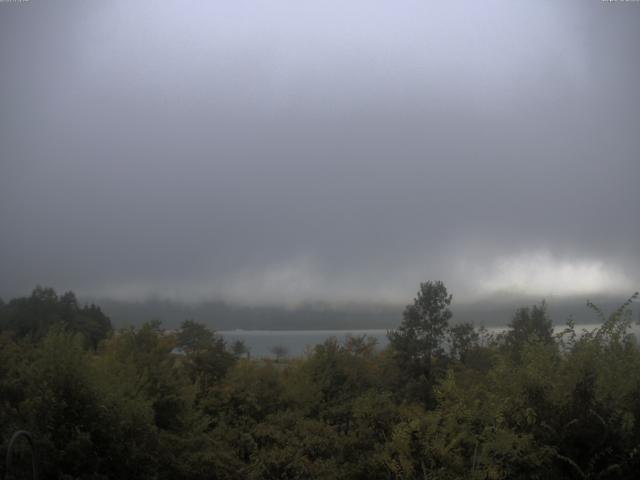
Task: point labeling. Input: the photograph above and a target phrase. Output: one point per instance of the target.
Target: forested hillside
(444, 401)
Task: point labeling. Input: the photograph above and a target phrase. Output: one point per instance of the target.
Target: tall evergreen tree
(420, 335)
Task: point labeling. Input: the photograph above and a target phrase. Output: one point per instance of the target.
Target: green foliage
(207, 359)
(424, 325)
(152, 404)
(529, 325)
(33, 316)
(463, 340)
(194, 336)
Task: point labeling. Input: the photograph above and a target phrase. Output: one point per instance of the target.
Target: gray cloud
(264, 152)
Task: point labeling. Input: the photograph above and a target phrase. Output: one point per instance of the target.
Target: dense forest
(444, 400)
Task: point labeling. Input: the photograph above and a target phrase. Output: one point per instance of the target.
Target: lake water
(296, 342)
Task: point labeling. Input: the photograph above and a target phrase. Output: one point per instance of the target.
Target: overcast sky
(281, 151)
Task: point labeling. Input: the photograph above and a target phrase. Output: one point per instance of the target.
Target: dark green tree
(529, 324)
(33, 316)
(240, 349)
(207, 358)
(194, 336)
(420, 335)
(463, 338)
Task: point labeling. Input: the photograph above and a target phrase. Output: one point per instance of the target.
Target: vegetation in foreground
(443, 401)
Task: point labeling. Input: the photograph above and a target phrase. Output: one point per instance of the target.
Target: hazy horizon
(496, 311)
